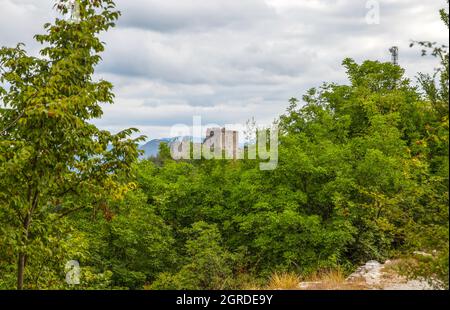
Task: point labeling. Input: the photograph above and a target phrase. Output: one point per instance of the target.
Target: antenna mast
(74, 11)
(394, 54)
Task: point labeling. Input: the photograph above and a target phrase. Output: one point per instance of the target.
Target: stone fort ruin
(221, 141)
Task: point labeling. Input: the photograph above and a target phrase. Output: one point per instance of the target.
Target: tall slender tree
(53, 160)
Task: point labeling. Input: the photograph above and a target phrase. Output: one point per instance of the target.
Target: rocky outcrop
(371, 276)
(370, 273)
(382, 277)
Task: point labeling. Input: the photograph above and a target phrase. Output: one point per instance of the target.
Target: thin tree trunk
(20, 271)
(22, 256)
(34, 201)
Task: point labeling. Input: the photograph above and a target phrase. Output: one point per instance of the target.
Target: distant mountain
(151, 148)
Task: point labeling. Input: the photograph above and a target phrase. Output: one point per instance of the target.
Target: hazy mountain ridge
(151, 148)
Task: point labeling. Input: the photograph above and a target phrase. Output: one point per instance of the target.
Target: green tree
(431, 232)
(363, 157)
(131, 241)
(53, 160)
(207, 264)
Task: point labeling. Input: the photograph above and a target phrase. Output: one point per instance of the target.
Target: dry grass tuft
(324, 280)
(331, 280)
(284, 281)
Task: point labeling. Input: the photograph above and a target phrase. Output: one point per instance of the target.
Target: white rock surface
(424, 254)
(370, 272)
(374, 274)
(412, 285)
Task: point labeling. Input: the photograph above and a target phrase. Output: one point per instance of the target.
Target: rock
(377, 277)
(305, 285)
(372, 264)
(370, 272)
(412, 285)
(424, 254)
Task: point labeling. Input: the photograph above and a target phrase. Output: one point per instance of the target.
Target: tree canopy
(363, 174)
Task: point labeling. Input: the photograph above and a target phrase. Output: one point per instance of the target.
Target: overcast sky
(230, 60)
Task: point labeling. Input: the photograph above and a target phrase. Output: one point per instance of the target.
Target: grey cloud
(20, 20)
(191, 15)
(229, 60)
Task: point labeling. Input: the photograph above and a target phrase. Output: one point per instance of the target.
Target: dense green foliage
(53, 161)
(363, 174)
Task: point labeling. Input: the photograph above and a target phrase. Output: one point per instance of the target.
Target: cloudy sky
(230, 60)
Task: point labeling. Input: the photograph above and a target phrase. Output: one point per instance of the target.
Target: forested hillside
(362, 175)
